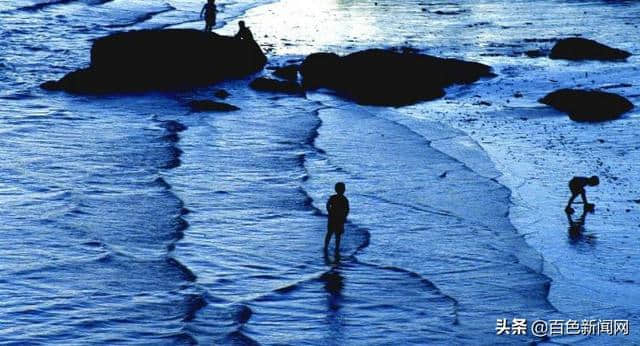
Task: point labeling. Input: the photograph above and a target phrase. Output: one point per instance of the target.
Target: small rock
(51, 85)
(588, 105)
(536, 53)
(221, 94)
(449, 13)
(289, 72)
(274, 85)
(576, 48)
(208, 105)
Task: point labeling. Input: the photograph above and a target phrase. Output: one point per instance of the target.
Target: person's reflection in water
(333, 284)
(576, 228)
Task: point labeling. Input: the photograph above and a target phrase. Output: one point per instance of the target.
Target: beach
(131, 219)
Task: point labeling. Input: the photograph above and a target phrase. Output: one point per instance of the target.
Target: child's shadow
(577, 232)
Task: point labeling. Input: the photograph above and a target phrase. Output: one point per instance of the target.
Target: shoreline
(209, 226)
(525, 215)
(471, 160)
(528, 257)
(533, 78)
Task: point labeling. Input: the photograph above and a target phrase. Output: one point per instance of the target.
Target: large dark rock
(382, 77)
(588, 105)
(160, 60)
(576, 48)
(274, 85)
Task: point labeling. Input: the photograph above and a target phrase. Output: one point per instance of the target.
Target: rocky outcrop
(382, 77)
(588, 105)
(576, 48)
(160, 60)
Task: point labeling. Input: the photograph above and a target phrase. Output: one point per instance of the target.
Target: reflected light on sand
(306, 26)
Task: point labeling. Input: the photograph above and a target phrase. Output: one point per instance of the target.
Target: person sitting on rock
(577, 185)
(209, 11)
(243, 32)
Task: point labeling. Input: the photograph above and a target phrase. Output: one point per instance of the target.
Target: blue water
(129, 219)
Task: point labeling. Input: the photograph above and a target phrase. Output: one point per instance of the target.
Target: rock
(537, 53)
(320, 70)
(576, 48)
(169, 59)
(208, 105)
(274, 85)
(382, 77)
(588, 105)
(288, 72)
(51, 85)
(449, 13)
(221, 94)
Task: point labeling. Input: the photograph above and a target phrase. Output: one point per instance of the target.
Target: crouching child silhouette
(338, 209)
(577, 185)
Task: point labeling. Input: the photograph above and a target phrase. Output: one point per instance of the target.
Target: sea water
(129, 219)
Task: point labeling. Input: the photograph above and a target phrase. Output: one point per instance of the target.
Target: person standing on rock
(209, 11)
(338, 209)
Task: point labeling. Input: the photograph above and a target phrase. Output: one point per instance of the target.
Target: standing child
(209, 11)
(338, 209)
(577, 185)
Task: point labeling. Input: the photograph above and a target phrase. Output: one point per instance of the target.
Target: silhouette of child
(338, 209)
(243, 32)
(577, 185)
(209, 11)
